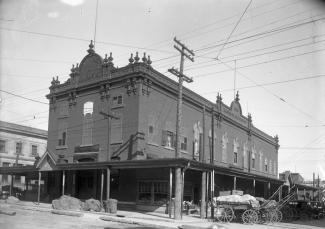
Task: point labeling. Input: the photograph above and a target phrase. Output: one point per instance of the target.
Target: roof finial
(91, 47)
(136, 58)
(237, 96)
(131, 60)
(144, 58)
(110, 58)
(149, 61)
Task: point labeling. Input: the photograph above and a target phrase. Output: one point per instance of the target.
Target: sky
(271, 51)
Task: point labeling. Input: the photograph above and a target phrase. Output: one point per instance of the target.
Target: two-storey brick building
(136, 148)
(19, 145)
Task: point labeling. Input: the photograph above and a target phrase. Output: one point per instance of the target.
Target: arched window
(87, 127)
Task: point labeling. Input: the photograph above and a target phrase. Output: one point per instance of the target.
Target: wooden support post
(182, 195)
(280, 193)
(268, 189)
(108, 185)
(63, 182)
(178, 193)
(254, 187)
(10, 186)
(170, 192)
(101, 186)
(235, 183)
(212, 193)
(74, 183)
(304, 194)
(39, 187)
(203, 195)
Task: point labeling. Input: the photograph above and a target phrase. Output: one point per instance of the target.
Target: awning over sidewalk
(47, 163)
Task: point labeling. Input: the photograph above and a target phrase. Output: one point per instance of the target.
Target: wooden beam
(203, 195)
(101, 186)
(108, 183)
(39, 187)
(63, 182)
(170, 192)
(178, 193)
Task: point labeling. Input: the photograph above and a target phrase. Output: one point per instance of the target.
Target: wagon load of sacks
(244, 199)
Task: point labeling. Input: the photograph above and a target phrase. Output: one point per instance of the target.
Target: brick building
(136, 150)
(19, 145)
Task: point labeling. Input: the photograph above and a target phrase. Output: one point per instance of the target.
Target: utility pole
(109, 115)
(185, 52)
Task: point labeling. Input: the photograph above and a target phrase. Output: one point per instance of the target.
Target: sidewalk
(147, 219)
(155, 220)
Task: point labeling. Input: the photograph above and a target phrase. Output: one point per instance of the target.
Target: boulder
(12, 200)
(92, 205)
(67, 203)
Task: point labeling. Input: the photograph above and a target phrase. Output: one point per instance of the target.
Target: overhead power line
(259, 63)
(233, 30)
(263, 33)
(275, 95)
(268, 84)
(23, 97)
(81, 39)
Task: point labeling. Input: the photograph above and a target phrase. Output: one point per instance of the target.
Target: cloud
(73, 2)
(53, 14)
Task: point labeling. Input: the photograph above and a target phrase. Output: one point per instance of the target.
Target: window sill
(63, 116)
(118, 106)
(61, 147)
(185, 152)
(153, 144)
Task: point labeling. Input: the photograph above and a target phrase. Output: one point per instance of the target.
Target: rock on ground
(12, 200)
(67, 203)
(92, 205)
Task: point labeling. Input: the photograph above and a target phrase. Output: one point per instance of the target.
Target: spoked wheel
(224, 214)
(262, 216)
(287, 214)
(279, 215)
(249, 217)
(273, 216)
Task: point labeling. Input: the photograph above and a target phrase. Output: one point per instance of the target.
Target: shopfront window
(153, 192)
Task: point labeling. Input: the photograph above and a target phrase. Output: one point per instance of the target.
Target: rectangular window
(235, 157)
(265, 165)
(117, 100)
(87, 129)
(19, 146)
(160, 192)
(2, 146)
(62, 139)
(64, 109)
(5, 177)
(116, 129)
(168, 139)
(144, 189)
(62, 132)
(184, 143)
(253, 161)
(153, 191)
(34, 151)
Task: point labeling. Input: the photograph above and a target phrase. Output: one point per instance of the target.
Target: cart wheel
(250, 217)
(273, 216)
(279, 215)
(287, 214)
(224, 214)
(262, 216)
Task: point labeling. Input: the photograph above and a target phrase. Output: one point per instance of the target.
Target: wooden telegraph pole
(109, 116)
(185, 52)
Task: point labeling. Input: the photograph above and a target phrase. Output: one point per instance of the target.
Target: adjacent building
(19, 146)
(115, 128)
